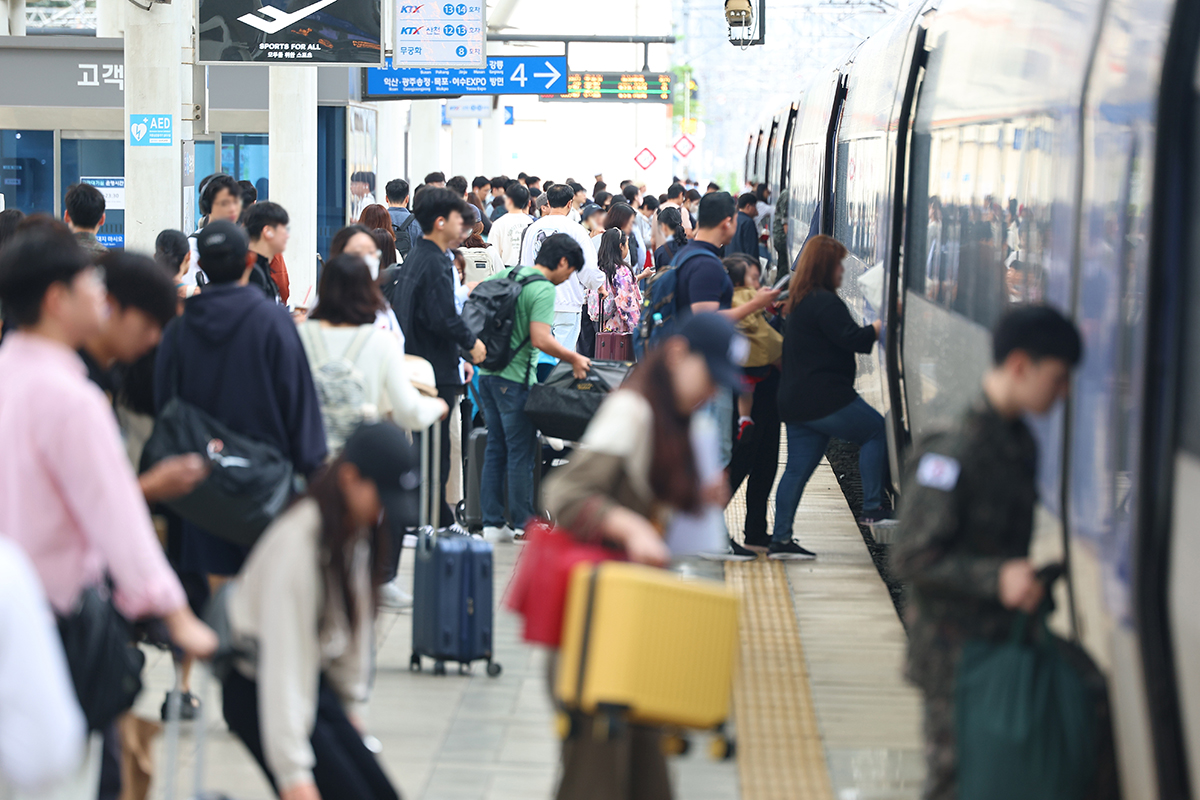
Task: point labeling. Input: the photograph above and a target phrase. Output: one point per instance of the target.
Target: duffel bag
(563, 406)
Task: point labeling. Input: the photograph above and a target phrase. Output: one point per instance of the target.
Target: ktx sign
(502, 75)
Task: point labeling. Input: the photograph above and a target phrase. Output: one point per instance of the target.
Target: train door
(831, 137)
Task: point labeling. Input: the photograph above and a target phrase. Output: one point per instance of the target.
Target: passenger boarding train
(980, 153)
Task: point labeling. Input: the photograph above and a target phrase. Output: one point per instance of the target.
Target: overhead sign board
(291, 32)
(616, 87)
(449, 33)
(469, 108)
(502, 75)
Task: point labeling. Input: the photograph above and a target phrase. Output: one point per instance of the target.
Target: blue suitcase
(452, 587)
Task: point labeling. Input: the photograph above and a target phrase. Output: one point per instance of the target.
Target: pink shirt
(68, 495)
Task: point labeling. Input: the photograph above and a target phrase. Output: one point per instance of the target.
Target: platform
(821, 710)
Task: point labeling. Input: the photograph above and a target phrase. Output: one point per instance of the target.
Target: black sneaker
(789, 551)
(875, 515)
(189, 707)
(735, 552)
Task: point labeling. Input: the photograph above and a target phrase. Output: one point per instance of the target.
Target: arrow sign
(553, 74)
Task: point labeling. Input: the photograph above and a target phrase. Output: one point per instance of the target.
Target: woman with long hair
(301, 613)
(358, 241)
(385, 240)
(623, 217)
(635, 469)
(817, 399)
(619, 309)
(375, 216)
(672, 233)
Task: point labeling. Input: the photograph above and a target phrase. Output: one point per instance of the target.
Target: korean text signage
(616, 87)
(502, 75)
(292, 32)
(441, 34)
(150, 130)
(113, 190)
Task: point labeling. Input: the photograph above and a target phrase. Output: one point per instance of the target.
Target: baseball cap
(723, 348)
(384, 455)
(587, 210)
(222, 242)
(470, 216)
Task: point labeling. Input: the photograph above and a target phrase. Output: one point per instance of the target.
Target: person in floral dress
(620, 294)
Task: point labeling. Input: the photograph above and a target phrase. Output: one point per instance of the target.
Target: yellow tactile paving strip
(779, 750)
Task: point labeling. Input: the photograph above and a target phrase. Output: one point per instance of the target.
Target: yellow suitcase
(656, 647)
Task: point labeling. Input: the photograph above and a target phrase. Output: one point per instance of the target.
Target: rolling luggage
(452, 586)
(470, 511)
(612, 346)
(647, 646)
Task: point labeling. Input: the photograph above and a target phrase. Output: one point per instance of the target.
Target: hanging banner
(291, 31)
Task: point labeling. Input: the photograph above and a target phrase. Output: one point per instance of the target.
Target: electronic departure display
(617, 87)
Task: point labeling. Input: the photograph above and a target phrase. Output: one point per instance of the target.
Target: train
(975, 154)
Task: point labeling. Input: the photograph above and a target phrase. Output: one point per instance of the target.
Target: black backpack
(404, 241)
(490, 313)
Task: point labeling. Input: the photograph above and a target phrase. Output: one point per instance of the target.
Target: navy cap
(470, 216)
(222, 241)
(383, 454)
(587, 210)
(724, 349)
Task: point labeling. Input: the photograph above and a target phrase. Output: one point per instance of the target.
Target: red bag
(539, 589)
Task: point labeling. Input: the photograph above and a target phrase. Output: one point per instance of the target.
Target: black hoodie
(241, 360)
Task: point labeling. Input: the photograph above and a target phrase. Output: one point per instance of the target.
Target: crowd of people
(100, 347)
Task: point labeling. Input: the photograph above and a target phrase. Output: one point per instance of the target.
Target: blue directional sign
(503, 75)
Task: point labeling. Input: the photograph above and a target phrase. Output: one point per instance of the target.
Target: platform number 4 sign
(645, 159)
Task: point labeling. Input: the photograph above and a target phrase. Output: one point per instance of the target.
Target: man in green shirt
(511, 447)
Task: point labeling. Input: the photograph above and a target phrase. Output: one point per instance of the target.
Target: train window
(27, 170)
(979, 216)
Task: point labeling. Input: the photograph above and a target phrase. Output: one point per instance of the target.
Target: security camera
(739, 15)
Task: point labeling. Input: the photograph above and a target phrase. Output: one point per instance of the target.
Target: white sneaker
(410, 541)
(502, 535)
(393, 598)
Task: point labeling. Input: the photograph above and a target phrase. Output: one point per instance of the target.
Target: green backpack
(1027, 717)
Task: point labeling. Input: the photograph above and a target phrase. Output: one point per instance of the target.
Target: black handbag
(106, 667)
(563, 405)
(250, 482)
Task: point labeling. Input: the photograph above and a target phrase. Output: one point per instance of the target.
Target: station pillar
(152, 124)
(292, 167)
(425, 138)
(393, 125)
(464, 148)
(493, 145)
(110, 18)
(12, 17)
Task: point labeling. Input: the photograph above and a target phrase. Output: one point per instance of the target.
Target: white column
(153, 179)
(393, 122)
(425, 140)
(464, 147)
(292, 167)
(12, 17)
(110, 18)
(493, 143)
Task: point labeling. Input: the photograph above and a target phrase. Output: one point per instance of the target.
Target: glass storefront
(27, 170)
(244, 156)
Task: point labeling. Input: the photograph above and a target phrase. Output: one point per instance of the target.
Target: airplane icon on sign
(280, 19)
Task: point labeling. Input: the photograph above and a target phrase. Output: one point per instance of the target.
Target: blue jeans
(856, 422)
(510, 452)
(721, 408)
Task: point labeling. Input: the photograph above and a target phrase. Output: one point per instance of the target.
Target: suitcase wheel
(414, 663)
(722, 748)
(676, 744)
(439, 668)
(494, 669)
(460, 514)
(464, 669)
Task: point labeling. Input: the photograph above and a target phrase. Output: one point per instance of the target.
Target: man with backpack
(423, 299)
(505, 380)
(236, 355)
(404, 222)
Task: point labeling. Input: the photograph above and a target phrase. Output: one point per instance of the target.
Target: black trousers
(451, 394)
(586, 344)
(345, 768)
(757, 456)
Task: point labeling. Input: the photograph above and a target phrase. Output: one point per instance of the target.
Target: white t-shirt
(506, 236)
(386, 376)
(42, 730)
(570, 292)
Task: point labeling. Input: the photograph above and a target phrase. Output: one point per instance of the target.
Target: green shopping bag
(1026, 719)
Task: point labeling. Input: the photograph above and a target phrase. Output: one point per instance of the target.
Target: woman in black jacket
(817, 399)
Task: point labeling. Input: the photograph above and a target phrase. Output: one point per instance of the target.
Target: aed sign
(150, 130)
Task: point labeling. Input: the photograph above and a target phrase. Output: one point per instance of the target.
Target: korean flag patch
(938, 472)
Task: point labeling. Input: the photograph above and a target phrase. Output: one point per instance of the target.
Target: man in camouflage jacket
(967, 520)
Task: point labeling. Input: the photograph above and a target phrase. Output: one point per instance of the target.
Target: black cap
(222, 242)
(723, 348)
(587, 210)
(470, 216)
(383, 454)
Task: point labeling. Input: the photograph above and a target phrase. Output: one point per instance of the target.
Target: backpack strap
(359, 343)
(314, 339)
(400, 226)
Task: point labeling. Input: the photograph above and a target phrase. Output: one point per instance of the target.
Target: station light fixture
(746, 28)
